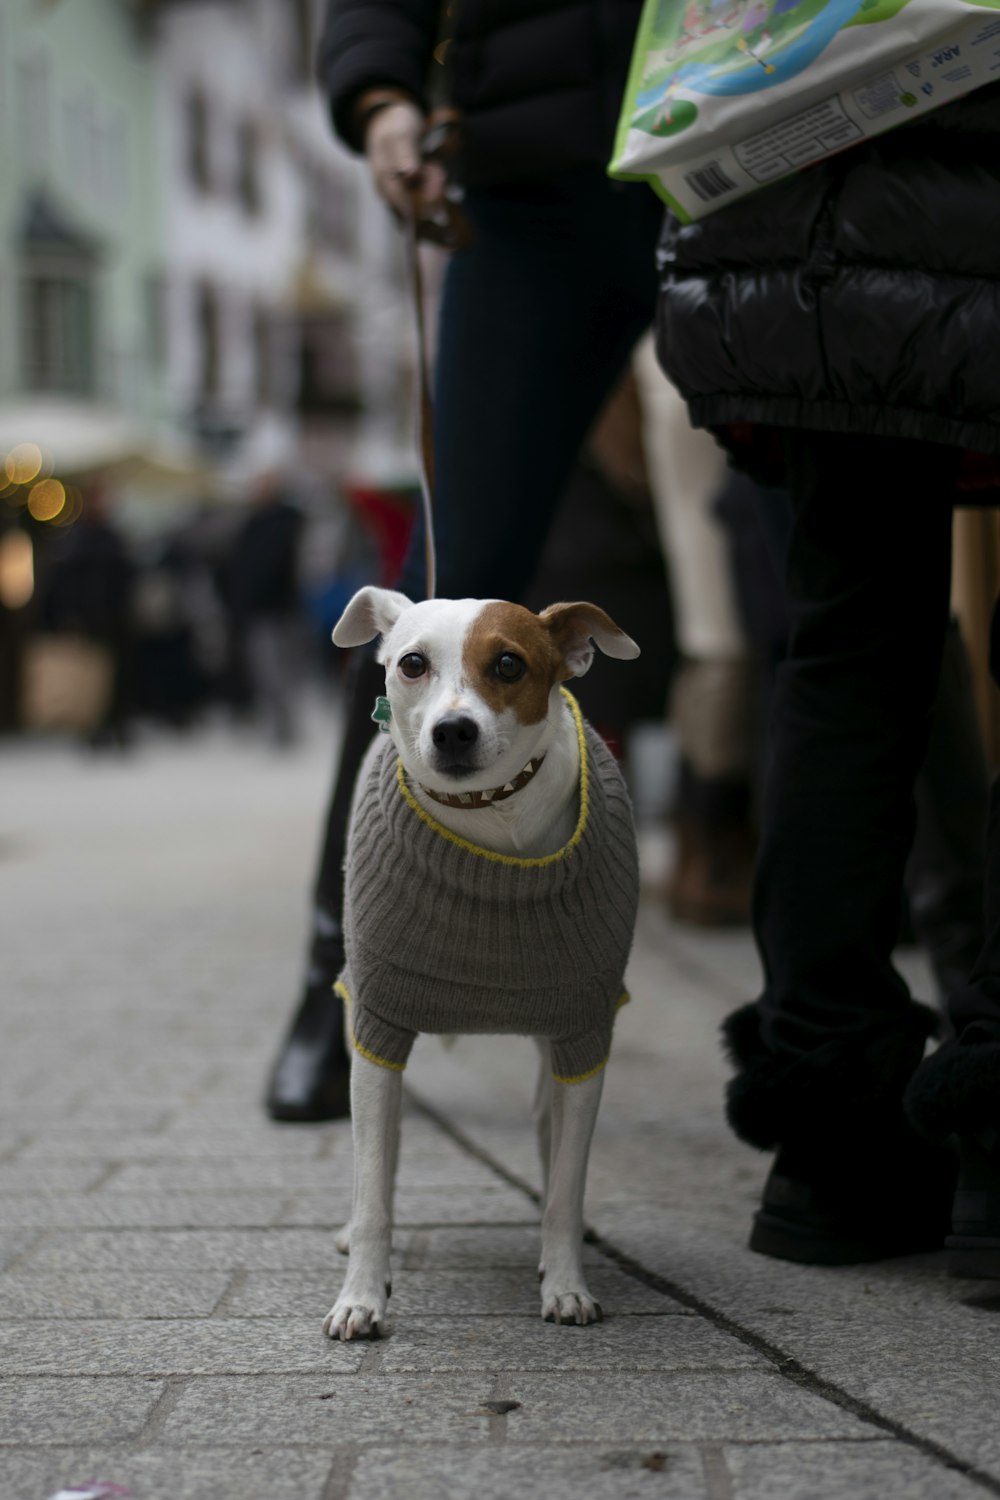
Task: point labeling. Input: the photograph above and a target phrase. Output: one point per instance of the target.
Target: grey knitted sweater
(443, 936)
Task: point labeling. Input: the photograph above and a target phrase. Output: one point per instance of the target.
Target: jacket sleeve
(374, 44)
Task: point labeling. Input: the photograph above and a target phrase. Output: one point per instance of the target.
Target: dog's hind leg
(376, 1093)
(565, 1298)
(542, 1109)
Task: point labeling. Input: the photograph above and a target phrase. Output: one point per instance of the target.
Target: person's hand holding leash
(403, 176)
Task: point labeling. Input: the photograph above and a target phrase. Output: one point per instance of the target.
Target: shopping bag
(726, 96)
(66, 683)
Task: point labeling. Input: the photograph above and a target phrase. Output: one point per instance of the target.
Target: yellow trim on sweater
(340, 988)
(513, 859)
(581, 1077)
(623, 999)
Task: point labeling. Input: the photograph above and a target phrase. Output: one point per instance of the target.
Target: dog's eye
(413, 664)
(509, 668)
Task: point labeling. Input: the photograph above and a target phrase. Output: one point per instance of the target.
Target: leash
(452, 231)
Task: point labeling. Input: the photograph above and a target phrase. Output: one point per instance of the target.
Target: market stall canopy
(80, 437)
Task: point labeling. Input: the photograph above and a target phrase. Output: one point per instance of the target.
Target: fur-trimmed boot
(851, 1181)
(954, 1097)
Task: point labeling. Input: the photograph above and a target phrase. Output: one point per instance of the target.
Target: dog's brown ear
(575, 630)
(370, 613)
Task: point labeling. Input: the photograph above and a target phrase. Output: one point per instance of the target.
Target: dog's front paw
(342, 1242)
(356, 1316)
(577, 1306)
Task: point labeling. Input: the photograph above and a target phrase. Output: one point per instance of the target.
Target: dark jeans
(944, 874)
(538, 319)
(868, 587)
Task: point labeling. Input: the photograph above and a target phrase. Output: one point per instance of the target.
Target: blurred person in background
(180, 626)
(715, 696)
(86, 591)
(263, 587)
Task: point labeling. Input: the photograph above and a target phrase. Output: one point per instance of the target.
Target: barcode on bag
(709, 181)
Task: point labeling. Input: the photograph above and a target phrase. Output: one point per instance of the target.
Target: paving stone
(954, 1406)
(500, 1246)
(80, 1143)
(592, 1471)
(14, 1242)
(502, 1292)
(237, 1174)
(420, 1170)
(131, 1211)
(620, 1346)
(171, 1346)
(331, 1410)
(110, 1293)
(74, 1410)
(431, 1206)
(862, 1471)
(744, 1407)
(172, 1474)
(50, 1177)
(556, 1408)
(188, 1141)
(192, 1249)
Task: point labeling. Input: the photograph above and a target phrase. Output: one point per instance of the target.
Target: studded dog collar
(469, 800)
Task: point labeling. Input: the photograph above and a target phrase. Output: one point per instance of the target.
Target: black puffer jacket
(862, 295)
(539, 82)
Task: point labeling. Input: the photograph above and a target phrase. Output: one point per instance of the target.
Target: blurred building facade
(185, 250)
(80, 209)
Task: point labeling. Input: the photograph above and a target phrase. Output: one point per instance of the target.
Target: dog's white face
(473, 684)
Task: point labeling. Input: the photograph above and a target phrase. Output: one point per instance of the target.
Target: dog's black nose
(455, 734)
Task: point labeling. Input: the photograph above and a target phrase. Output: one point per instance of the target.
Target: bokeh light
(23, 463)
(46, 500)
(72, 509)
(17, 569)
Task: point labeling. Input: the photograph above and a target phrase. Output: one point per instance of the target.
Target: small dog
(491, 886)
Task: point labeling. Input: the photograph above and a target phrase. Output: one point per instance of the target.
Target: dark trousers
(538, 319)
(868, 586)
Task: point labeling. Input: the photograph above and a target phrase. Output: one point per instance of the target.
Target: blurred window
(198, 125)
(154, 297)
(303, 60)
(263, 349)
(33, 111)
(332, 209)
(112, 158)
(58, 301)
(329, 382)
(248, 168)
(4, 86)
(57, 330)
(209, 316)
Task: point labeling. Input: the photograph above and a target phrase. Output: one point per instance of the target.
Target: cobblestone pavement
(166, 1253)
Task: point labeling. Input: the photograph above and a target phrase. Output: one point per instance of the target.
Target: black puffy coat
(862, 295)
(539, 82)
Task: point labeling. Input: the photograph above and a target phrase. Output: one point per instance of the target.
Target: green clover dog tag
(382, 713)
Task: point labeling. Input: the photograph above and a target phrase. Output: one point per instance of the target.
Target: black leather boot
(954, 1097)
(878, 1192)
(311, 1079)
(974, 1243)
(852, 1181)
